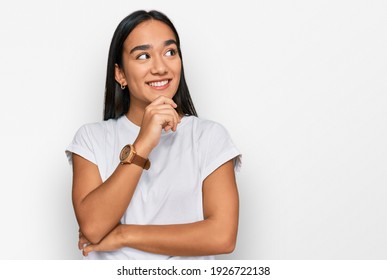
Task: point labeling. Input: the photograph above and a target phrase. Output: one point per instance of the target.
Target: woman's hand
(82, 242)
(110, 242)
(158, 115)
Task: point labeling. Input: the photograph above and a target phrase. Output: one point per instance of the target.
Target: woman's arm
(216, 234)
(99, 205)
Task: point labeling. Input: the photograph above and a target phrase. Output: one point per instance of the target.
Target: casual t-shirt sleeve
(218, 150)
(81, 145)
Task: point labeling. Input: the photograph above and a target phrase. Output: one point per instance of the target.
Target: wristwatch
(128, 155)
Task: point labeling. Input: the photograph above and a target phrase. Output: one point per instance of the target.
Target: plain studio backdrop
(300, 85)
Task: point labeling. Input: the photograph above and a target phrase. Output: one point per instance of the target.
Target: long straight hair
(117, 100)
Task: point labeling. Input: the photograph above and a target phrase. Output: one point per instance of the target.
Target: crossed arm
(100, 205)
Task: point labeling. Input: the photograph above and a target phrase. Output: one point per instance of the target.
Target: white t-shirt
(170, 192)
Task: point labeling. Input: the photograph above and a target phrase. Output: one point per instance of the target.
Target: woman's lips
(162, 84)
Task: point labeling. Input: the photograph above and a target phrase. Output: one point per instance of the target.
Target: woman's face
(151, 64)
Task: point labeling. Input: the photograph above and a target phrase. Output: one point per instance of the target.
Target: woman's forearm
(208, 237)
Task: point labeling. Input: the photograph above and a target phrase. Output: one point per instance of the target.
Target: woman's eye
(170, 53)
(143, 56)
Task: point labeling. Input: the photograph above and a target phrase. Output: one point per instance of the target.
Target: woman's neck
(135, 115)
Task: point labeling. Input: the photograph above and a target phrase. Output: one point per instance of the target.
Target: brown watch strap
(140, 161)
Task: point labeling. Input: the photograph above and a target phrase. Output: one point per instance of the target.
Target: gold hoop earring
(123, 87)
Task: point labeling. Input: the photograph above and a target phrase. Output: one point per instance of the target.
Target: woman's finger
(154, 109)
(170, 112)
(164, 100)
(160, 106)
(90, 248)
(167, 119)
(82, 242)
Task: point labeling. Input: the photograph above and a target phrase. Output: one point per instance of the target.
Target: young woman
(152, 181)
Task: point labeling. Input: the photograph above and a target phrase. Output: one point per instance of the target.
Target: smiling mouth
(159, 84)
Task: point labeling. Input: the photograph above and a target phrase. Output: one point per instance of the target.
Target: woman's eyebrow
(147, 47)
(141, 48)
(169, 42)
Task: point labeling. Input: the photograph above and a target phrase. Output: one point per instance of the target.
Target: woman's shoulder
(201, 123)
(204, 125)
(203, 129)
(98, 129)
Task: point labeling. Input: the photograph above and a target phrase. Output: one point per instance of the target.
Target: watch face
(125, 153)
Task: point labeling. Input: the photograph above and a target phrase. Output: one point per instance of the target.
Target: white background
(300, 85)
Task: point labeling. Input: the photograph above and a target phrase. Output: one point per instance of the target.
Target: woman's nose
(158, 66)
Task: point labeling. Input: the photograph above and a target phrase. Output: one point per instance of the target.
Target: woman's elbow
(91, 233)
(229, 246)
(226, 244)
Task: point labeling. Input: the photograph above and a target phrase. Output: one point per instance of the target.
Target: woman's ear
(119, 75)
